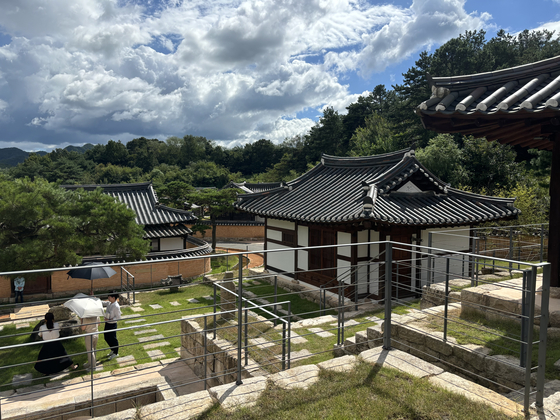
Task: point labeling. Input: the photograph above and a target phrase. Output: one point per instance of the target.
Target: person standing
(52, 356)
(90, 325)
(112, 315)
(19, 284)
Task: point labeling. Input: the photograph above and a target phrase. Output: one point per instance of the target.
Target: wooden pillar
(554, 216)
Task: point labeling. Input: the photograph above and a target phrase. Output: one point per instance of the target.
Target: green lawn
(367, 392)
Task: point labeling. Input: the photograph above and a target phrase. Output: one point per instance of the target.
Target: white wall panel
(303, 236)
(274, 234)
(283, 261)
(168, 244)
(362, 249)
(453, 239)
(344, 238)
(343, 271)
(374, 248)
(284, 224)
(303, 260)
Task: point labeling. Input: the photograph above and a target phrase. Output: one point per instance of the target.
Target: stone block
(375, 336)
(339, 364)
(22, 380)
(412, 334)
(555, 319)
(298, 377)
(361, 341)
(435, 342)
(402, 361)
(231, 396)
(506, 368)
(553, 332)
(350, 345)
(471, 354)
(475, 392)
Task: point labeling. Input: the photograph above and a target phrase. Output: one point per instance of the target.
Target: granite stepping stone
(295, 338)
(256, 283)
(156, 354)
(263, 343)
(150, 338)
(178, 350)
(193, 301)
(22, 380)
(349, 323)
(152, 330)
(1, 327)
(232, 396)
(134, 321)
(298, 377)
(208, 297)
(22, 325)
(156, 345)
(297, 355)
(249, 294)
(126, 361)
(174, 303)
(320, 332)
(136, 309)
(374, 319)
(156, 306)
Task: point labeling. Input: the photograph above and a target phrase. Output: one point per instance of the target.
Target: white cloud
(228, 70)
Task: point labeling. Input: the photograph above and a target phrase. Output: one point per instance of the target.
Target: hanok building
(165, 227)
(351, 200)
(519, 106)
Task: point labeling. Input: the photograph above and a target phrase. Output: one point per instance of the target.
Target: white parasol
(85, 306)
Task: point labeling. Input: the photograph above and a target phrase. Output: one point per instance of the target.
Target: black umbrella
(91, 273)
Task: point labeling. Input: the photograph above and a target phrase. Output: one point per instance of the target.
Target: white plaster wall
(283, 261)
(343, 269)
(374, 278)
(303, 260)
(344, 238)
(374, 248)
(362, 279)
(453, 239)
(274, 234)
(362, 249)
(168, 244)
(284, 224)
(458, 268)
(303, 235)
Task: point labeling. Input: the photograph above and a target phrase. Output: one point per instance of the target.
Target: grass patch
(368, 392)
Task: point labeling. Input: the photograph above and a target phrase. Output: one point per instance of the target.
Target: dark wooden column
(554, 217)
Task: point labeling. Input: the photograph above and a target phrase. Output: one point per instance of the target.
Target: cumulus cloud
(234, 71)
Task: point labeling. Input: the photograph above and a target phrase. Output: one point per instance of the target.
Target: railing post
(445, 313)
(542, 243)
(430, 273)
(246, 334)
(214, 336)
(524, 320)
(545, 296)
(92, 371)
(321, 303)
(133, 289)
(283, 346)
(339, 312)
(476, 244)
(275, 300)
(510, 254)
(289, 335)
(388, 285)
(205, 351)
(355, 275)
(239, 319)
(397, 282)
(471, 262)
(532, 291)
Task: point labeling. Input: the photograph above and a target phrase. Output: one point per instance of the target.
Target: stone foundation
(219, 355)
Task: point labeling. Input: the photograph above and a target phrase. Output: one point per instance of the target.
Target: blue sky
(79, 71)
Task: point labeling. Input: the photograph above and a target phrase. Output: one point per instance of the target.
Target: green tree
(215, 203)
(44, 226)
(443, 158)
(375, 138)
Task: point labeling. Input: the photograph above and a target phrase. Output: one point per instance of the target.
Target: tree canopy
(45, 226)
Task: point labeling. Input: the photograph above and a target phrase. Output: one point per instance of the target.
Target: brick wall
(145, 274)
(234, 232)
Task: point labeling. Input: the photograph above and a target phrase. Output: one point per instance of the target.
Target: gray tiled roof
(253, 187)
(142, 198)
(199, 247)
(510, 104)
(347, 189)
(164, 231)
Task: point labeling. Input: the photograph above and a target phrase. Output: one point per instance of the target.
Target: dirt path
(255, 260)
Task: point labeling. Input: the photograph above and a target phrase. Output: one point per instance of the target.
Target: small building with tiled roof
(164, 226)
(519, 106)
(346, 200)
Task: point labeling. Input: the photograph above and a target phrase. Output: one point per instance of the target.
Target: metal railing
(395, 283)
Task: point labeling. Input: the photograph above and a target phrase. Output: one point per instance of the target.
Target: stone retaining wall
(470, 360)
(221, 356)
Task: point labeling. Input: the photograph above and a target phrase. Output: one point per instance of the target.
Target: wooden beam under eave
(535, 144)
(523, 136)
(517, 129)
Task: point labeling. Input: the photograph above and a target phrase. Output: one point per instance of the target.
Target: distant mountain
(11, 156)
(79, 149)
